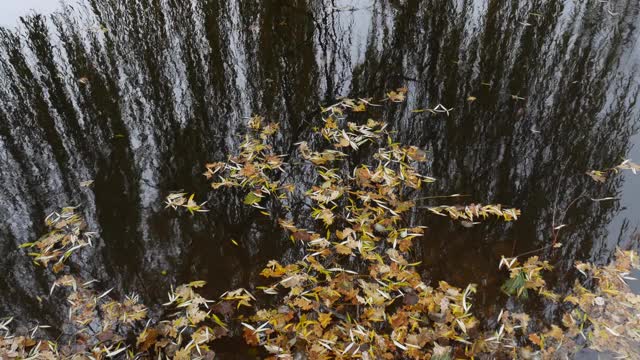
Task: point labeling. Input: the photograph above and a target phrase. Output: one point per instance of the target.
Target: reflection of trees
(167, 84)
(580, 94)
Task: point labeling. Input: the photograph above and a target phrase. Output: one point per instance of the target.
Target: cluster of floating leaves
(66, 236)
(476, 211)
(104, 326)
(101, 322)
(327, 308)
(255, 167)
(603, 317)
(193, 325)
(607, 317)
(180, 200)
(356, 293)
(602, 175)
(526, 277)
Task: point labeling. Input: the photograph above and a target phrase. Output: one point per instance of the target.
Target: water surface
(139, 95)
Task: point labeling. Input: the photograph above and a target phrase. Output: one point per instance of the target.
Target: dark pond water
(167, 83)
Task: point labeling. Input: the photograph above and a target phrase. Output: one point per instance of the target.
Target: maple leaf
(535, 338)
(324, 319)
(343, 250)
(146, 339)
(396, 96)
(303, 303)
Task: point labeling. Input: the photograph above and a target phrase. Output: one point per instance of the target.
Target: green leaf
(251, 198)
(217, 320)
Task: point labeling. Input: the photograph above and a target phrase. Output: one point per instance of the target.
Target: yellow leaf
(359, 108)
(197, 283)
(324, 319)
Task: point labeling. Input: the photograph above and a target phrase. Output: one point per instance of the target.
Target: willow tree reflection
(139, 95)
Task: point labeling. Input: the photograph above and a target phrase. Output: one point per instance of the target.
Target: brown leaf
(534, 338)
